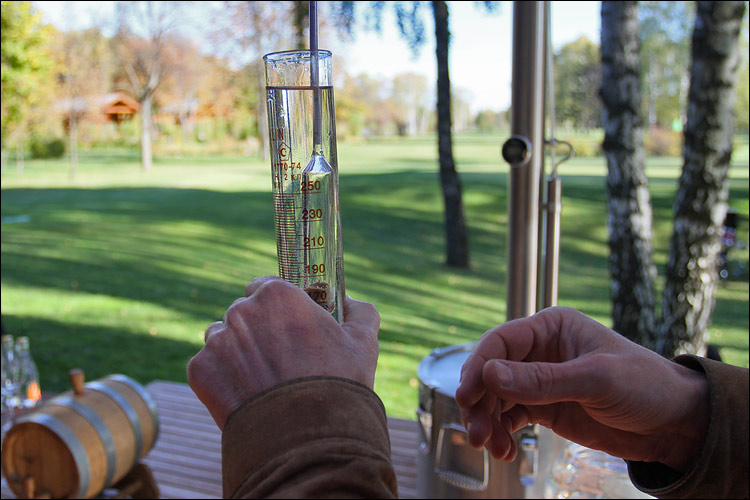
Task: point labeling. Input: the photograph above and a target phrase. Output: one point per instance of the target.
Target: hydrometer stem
(314, 79)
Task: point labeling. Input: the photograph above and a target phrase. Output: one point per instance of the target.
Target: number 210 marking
(315, 241)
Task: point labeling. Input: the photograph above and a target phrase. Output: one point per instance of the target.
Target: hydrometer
(306, 201)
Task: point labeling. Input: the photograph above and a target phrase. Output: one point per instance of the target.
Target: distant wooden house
(113, 107)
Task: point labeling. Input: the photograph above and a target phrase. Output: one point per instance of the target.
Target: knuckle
(237, 312)
(258, 282)
(194, 368)
(212, 329)
(541, 378)
(274, 290)
(371, 309)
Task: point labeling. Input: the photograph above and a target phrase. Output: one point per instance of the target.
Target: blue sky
(480, 60)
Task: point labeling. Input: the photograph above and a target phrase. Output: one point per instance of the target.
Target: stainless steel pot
(447, 466)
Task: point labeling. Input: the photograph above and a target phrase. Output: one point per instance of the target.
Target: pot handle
(425, 425)
(458, 479)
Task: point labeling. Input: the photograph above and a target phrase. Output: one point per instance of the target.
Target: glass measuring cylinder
(305, 177)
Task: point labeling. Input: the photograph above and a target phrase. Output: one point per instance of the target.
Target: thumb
(535, 383)
(360, 317)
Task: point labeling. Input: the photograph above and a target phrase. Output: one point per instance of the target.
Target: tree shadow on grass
(58, 347)
(151, 245)
(193, 250)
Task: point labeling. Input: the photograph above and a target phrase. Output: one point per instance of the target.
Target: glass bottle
(583, 473)
(29, 391)
(10, 382)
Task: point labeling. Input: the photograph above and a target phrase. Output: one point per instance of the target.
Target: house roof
(112, 103)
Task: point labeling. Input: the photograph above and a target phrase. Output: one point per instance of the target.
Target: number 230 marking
(312, 214)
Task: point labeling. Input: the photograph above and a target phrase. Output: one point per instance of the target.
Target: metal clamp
(553, 142)
(458, 479)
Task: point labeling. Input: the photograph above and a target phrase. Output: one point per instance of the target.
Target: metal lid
(441, 369)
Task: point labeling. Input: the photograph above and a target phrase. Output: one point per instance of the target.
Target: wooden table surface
(186, 461)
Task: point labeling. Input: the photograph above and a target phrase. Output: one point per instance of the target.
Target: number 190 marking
(315, 268)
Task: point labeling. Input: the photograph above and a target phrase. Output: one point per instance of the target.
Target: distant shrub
(585, 147)
(126, 135)
(662, 142)
(46, 148)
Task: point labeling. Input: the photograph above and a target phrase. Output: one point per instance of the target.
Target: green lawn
(121, 271)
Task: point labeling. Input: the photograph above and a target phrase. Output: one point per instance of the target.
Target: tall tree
(360, 100)
(188, 70)
(85, 72)
(700, 206)
(456, 234)
(664, 34)
(245, 32)
(701, 203)
(140, 45)
(25, 67)
(577, 76)
(408, 92)
(411, 27)
(301, 20)
(628, 200)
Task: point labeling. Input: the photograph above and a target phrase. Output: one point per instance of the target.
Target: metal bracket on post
(516, 150)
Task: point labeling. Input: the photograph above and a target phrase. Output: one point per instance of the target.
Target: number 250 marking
(310, 186)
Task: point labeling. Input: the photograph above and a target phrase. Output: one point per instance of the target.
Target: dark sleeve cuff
(310, 437)
(721, 468)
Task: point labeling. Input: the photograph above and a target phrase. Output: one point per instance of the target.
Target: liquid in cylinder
(305, 193)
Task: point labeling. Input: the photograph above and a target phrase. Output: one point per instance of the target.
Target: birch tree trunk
(628, 200)
(146, 155)
(701, 203)
(455, 223)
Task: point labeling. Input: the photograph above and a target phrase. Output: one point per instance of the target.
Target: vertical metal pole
(552, 242)
(525, 153)
(537, 446)
(527, 121)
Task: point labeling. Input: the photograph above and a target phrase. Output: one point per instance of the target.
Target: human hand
(565, 371)
(277, 334)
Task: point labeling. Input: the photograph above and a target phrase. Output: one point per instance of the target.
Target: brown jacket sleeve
(721, 468)
(316, 437)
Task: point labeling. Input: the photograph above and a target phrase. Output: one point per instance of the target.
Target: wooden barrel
(83, 440)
